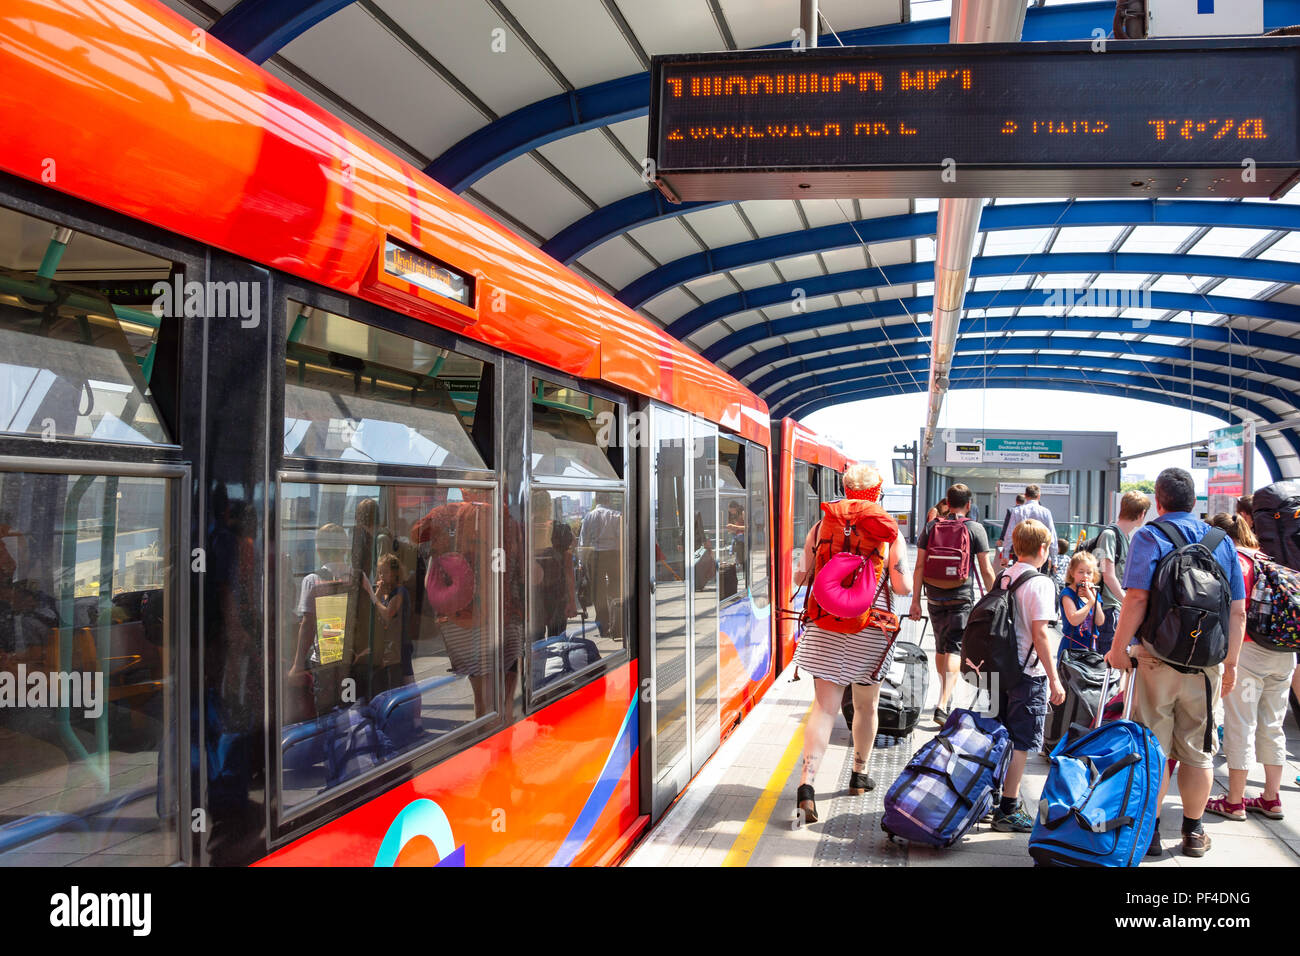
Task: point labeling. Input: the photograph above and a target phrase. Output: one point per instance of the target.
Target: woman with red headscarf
(856, 523)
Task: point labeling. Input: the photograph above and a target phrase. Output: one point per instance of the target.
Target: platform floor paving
(739, 810)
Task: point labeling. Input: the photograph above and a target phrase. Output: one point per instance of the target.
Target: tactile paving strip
(851, 834)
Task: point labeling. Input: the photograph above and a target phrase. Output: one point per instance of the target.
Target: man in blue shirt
(1174, 705)
(1032, 508)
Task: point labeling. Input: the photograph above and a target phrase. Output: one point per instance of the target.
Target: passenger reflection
(27, 613)
(392, 604)
(736, 531)
(322, 646)
(364, 530)
(600, 548)
(552, 574)
(457, 537)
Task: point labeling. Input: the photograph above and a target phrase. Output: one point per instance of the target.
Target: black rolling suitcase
(1083, 673)
(902, 692)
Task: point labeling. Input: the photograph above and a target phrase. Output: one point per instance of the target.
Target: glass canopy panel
(1224, 241)
(1164, 239)
(1087, 238)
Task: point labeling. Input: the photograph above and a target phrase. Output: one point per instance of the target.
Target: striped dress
(848, 658)
(844, 658)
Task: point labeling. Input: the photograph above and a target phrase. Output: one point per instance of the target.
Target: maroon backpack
(947, 550)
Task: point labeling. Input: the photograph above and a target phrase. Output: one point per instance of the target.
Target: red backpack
(947, 550)
(859, 527)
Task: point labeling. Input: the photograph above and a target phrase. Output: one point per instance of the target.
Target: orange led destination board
(1130, 118)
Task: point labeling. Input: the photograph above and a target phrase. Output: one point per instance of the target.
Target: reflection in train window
(88, 671)
(758, 526)
(387, 623)
(78, 334)
(807, 508)
(575, 435)
(357, 393)
(576, 607)
(733, 505)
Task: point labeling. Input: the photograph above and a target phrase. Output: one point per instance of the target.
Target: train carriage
(390, 540)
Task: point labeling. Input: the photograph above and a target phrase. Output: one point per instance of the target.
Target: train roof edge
(213, 147)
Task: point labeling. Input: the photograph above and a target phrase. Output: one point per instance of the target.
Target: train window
(76, 361)
(758, 529)
(807, 510)
(388, 625)
(577, 536)
(575, 434)
(576, 609)
(733, 506)
(357, 393)
(88, 670)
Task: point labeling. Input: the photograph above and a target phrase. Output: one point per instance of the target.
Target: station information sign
(1127, 118)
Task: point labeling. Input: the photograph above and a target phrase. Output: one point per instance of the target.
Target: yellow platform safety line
(750, 833)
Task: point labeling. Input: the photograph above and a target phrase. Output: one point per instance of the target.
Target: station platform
(740, 809)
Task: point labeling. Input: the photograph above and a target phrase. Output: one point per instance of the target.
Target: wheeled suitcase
(948, 784)
(1101, 801)
(1083, 673)
(902, 692)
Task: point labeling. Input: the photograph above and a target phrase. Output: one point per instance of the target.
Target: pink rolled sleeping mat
(846, 585)
(449, 583)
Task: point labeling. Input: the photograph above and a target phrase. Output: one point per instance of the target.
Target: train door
(683, 646)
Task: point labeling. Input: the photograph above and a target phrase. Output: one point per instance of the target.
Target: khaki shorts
(1172, 706)
(1254, 711)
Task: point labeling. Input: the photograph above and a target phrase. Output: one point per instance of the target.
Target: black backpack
(989, 643)
(1121, 543)
(1186, 623)
(1276, 512)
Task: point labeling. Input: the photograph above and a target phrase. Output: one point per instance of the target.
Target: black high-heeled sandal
(860, 783)
(807, 803)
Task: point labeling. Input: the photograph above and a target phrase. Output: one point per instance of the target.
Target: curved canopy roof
(536, 112)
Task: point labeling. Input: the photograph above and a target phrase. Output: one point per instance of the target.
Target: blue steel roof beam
(1050, 357)
(1029, 376)
(1004, 298)
(772, 385)
(1110, 212)
(1024, 322)
(617, 218)
(627, 97)
(1160, 398)
(261, 28)
(565, 114)
(1141, 263)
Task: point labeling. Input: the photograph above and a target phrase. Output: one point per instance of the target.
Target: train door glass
(686, 528)
(807, 511)
(759, 514)
(670, 611)
(830, 487)
(704, 589)
(732, 502)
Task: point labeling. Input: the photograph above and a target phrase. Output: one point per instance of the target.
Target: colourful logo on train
(420, 835)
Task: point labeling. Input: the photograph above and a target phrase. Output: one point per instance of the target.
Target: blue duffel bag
(948, 784)
(1100, 804)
